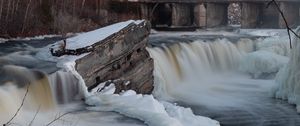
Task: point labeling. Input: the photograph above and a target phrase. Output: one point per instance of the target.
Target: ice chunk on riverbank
(148, 109)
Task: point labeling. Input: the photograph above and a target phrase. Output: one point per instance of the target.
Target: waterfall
(203, 69)
(64, 86)
(194, 63)
(18, 79)
(19, 73)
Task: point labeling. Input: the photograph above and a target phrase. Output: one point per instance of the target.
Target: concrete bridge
(214, 13)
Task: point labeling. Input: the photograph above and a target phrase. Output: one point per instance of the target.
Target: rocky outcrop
(122, 56)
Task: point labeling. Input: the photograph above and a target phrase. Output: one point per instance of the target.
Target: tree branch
(31, 122)
(23, 100)
(59, 117)
(288, 28)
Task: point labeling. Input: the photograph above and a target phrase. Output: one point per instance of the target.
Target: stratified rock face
(122, 55)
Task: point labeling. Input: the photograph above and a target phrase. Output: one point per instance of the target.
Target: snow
(288, 79)
(127, 83)
(80, 41)
(90, 38)
(102, 89)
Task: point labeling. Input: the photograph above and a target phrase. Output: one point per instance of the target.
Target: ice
(262, 62)
(264, 32)
(270, 55)
(278, 45)
(128, 93)
(186, 116)
(147, 109)
(288, 79)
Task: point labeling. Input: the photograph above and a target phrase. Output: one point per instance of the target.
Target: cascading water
(202, 70)
(184, 65)
(22, 72)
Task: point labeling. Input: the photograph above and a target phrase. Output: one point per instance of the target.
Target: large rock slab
(122, 56)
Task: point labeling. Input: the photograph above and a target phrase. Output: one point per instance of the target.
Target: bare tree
(8, 10)
(1, 8)
(26, 14)
(31, 122)
(82, 5)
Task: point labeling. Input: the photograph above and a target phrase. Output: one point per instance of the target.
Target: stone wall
(122, 56)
